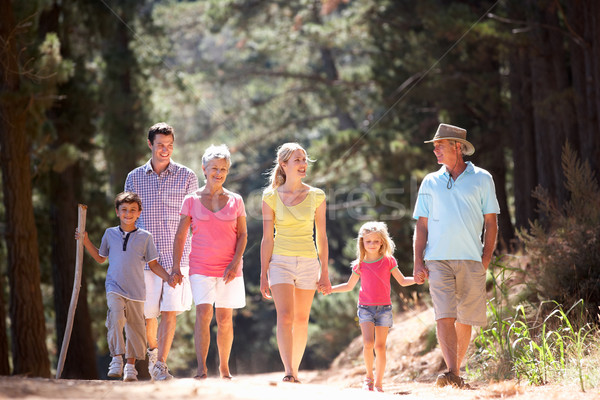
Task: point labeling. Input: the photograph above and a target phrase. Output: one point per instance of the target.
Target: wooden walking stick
(82, 211)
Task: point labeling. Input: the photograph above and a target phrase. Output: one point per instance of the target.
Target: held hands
(171, 281)
(324, 285)
(420, 273)
(175, 278)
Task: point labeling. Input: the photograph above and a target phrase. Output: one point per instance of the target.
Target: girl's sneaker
(115, 368)
(368, 384)
(130, 373)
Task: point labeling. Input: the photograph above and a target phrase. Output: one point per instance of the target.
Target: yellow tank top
(294, 225)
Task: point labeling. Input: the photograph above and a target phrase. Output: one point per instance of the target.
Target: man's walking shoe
(130, 373)
(449, 378)
(160, 372)
(115, 368)
(152, 358)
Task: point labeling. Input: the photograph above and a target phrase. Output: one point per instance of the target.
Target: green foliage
(537, 344)
(537, 352)
(565, 246)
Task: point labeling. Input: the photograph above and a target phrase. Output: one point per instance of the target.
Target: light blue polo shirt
(455, 215)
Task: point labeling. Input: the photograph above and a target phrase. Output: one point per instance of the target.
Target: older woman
(219, 236)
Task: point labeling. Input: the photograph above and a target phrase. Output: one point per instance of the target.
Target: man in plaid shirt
(162, 184)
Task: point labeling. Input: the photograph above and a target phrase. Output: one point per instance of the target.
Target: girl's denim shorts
(378, 315)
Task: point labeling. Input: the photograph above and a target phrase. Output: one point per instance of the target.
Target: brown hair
(284, 152)
(128, 197)
(160, 128)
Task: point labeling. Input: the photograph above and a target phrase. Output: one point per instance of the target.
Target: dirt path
(267, 386)
(410, 372)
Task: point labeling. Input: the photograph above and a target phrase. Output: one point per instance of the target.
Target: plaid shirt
(162, 196)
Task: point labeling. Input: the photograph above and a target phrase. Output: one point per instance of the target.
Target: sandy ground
(409, 375)
(268, 387)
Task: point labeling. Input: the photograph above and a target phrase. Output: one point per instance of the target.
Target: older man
(455, 204)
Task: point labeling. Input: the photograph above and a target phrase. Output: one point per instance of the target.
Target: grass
(537, 344)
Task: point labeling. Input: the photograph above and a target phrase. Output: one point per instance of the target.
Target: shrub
(565, 250)
(538, 352)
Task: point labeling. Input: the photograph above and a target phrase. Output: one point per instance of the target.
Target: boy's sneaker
(449, 378)
(115, 368)
(160, 372)
(152, 358)
(130, 373)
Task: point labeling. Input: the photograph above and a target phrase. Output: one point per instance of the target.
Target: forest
(361, 84)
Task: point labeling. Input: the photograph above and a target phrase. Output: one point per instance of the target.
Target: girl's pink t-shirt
(214, 234)
(375, 281)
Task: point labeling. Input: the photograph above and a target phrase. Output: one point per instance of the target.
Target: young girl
(373, 265)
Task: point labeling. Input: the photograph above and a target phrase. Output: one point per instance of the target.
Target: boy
(128, 249)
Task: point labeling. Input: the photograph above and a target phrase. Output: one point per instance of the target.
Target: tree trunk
(524, 150)
(126, 121)
(583, 18)
(522, 127)
(64, 191)
(4, 354)
(81, 357)
(549, 133)
(30, 355)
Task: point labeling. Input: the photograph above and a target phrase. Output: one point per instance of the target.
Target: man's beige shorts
(457, 289)
(301, 272)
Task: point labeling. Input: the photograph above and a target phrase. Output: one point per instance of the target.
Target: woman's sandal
(368, 384)
(291, 379)
(200, 377)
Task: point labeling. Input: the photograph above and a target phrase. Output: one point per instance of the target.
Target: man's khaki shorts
(457, 288)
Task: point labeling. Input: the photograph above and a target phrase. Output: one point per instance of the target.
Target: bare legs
(293, 310)
(374, 339)
(454, 339)
(161, 335)
(224, 339)
(152, 332)
(224, 316)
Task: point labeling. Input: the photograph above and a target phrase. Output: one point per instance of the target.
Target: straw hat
(451, 132)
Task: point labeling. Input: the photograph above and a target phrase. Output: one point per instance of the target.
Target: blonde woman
(292, 268)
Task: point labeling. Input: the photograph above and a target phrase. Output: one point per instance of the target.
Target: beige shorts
(457, 288)
(162, 297)
(129, 315)
(301, 272)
